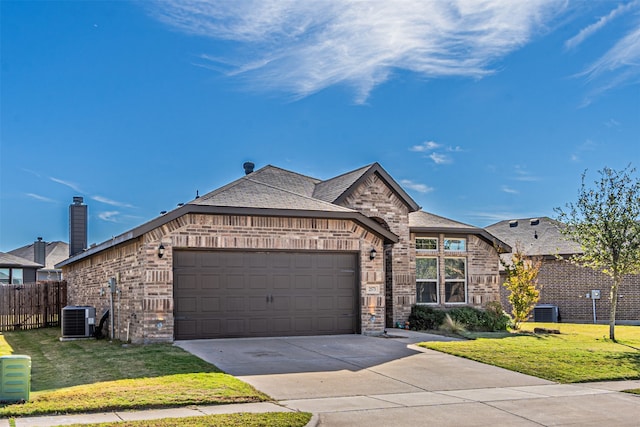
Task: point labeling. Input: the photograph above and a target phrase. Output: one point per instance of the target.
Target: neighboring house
(17, 271)
(563, 284)
(277, 253)
(45, 253)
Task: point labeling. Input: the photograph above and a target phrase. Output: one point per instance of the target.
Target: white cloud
(590, 30)
(439, 158)
(69, 184)
(111, 202)
(425, 146)
(302, 47)
(41, 198)
(521, 174)
(623, 60)
(421, 188)
(586, 146)
(611, 123)
(620, 64)
(509, 190)
(109, 216)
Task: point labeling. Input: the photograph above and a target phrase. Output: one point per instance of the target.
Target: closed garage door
(256, 294)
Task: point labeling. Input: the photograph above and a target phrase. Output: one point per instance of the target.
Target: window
(16, 276)
(427, 280)
(455, 280)
(457, 245)
(11, 276)
(427, 244)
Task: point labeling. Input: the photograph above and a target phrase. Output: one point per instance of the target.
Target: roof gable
(337, 189)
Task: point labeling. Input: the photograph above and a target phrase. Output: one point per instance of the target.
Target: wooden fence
(31, 305)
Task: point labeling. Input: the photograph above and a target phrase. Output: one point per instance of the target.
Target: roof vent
(534, 221)
(513, 223)
(248, 167)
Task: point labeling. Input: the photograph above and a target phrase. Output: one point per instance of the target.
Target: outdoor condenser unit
(545, 313)
(78, 321)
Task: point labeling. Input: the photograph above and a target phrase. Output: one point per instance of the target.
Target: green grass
(579, 353)
(91, 375)
(274, 419)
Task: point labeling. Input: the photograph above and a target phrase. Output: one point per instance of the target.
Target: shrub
(469, 316)
(497, 318)
(423, 317)
(493, 318)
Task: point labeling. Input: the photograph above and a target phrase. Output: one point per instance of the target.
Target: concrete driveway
(355, 380)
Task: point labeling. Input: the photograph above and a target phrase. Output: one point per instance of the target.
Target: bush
(493, 318)
(469, 316)
(497, 318)
(423, 317)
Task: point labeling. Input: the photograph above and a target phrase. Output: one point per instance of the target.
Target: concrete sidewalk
(150, 414)
(595, 404)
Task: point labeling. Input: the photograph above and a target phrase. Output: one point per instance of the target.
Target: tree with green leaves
(605, 221)
(522, 284)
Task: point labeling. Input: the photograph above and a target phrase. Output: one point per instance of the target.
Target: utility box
(15, 378)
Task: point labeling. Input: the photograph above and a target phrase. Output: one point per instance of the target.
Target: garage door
(258, 294)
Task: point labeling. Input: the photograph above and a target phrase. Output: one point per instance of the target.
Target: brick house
(562, 283)
(276, 253)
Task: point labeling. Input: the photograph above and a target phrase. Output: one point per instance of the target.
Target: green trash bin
(15, 378)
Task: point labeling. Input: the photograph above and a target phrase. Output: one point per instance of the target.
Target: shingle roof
(428, 220)
(282, 192)
(250, 192)
(424, 222)
(8, 260)
(331, 189)
(534, 236)
(54, 253)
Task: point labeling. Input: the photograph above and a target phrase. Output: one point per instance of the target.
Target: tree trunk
(613, 297)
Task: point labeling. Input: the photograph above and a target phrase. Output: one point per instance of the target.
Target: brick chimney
(77, 226)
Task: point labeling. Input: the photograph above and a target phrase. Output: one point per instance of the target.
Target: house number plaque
(373, 289)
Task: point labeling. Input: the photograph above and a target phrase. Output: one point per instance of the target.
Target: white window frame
(435, 250)
(464, 281)
(462, 239)
(435, 281)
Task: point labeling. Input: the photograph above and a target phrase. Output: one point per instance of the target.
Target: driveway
(355, 380)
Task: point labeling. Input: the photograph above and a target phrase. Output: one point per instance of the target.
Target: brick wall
(566, 285)
(376, 200)
(144, 304)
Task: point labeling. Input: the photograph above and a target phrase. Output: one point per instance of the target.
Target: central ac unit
(78, 321)
(545, 313)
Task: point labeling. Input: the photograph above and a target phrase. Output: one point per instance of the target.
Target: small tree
(605, 222)
(522, 284)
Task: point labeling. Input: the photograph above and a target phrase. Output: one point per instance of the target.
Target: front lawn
(91, 375)
(579, 353)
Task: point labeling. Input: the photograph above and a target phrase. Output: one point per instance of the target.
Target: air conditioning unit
(78, 321)
(545, 313)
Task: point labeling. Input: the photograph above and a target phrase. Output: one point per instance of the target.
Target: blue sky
(482, 110)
